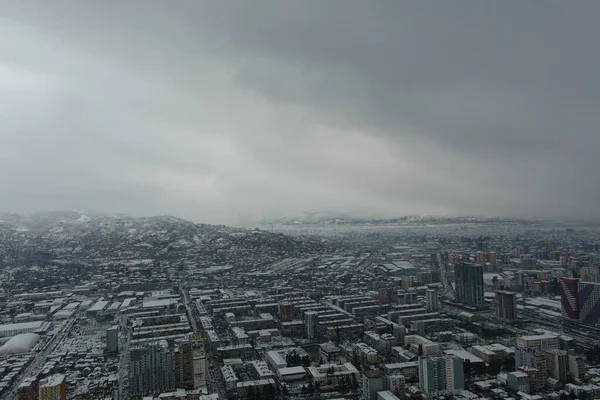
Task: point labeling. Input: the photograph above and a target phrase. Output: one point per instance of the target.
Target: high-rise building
(589, 303)
(372, 382)
(387, 294)
(469, 284)
(518, 252)
(492, 258)
(569, 298)
(112, 339)
(528, 262)
(53, 387)
(431, 299)
(557, 362)
(506, 306)
(439, 375)
(152, 369)
(184, 363)
(396, 384)
(480, 257)
(531, 354)
(520, 278)
(311, 322)
(482, 246)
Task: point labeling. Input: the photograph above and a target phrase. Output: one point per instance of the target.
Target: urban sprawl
(414, 308)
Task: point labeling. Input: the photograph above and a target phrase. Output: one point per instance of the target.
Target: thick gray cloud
(228, 111)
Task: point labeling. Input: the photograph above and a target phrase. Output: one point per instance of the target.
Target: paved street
(125, 341)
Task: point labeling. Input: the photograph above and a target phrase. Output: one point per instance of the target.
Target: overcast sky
(231, 111)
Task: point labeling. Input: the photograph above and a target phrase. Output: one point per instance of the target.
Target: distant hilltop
(322, 218)
(75, 236)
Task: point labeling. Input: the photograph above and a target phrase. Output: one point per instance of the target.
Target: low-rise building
(333, 373)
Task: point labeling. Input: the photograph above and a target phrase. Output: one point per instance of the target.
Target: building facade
(530, 357)
(506, 306)
(569, 298)
(151, 369)
(469, 284)
(112, 339)
(373, 382)
(441, 375)
(184, 364)
(557, 362)
(431, 299)
(589, 303)
(311, 322)
(53, 388)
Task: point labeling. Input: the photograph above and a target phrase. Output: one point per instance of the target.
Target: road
(33, 368)
(192, 310)
(209, 368)
(124, 359)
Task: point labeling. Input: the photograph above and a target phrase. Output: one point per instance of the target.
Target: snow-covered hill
(73, 235)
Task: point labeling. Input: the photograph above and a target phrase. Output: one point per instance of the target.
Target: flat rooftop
(21, 325)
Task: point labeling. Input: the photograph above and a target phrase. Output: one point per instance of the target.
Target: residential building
(431, 299)
(441, 374)
(506, 306)
(518, 381)
(53, 387)
(557, 362)
(531, 354)
(28, 389)
(184, 363)
(469, 284)
(422, 346)
(311, 322)
(229, 377)
(372, 382)
(333, 373)
(151, 369)
(112, 339)
(396, 384)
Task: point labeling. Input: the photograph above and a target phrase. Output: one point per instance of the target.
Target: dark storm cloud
(219, 110)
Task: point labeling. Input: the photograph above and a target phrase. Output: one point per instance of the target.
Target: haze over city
(236, 111)
(299, 200)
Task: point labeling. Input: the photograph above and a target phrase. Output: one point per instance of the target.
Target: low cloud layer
(232, 111)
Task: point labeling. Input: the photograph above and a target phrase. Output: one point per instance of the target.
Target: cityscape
(299, 200)
(117, 307)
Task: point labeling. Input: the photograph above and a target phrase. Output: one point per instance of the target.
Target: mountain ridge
(89, 237)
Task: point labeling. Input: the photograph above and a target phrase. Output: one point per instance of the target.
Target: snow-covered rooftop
(19, 344)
